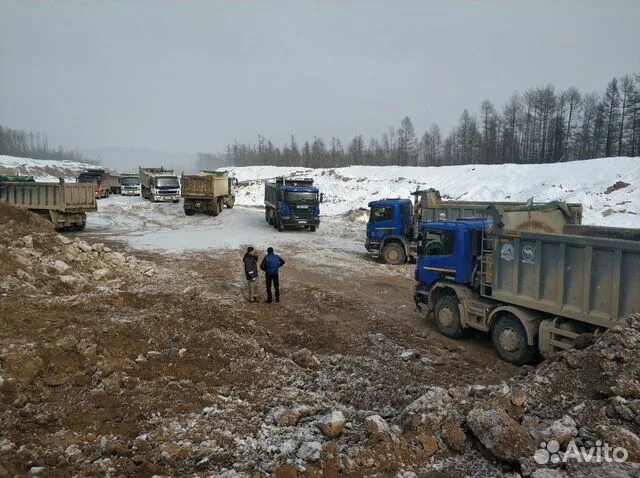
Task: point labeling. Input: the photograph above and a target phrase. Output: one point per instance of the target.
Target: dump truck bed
(205, 185)
(587, 278)
(62, 197)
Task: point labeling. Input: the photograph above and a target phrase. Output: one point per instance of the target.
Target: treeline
(541, 125)
(26, 144)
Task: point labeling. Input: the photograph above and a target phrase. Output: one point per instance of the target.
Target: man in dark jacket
(250, 260)
(270, 265)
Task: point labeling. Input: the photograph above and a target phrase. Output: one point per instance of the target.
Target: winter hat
(270, 250)
(249, 249)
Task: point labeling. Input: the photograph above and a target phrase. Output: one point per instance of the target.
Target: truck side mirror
(321, 198)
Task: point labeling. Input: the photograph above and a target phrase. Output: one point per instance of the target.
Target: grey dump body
(65, 205)
(593, 279)
(207, 192)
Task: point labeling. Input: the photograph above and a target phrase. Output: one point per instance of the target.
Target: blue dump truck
(535, 292)
(292, 202)
(394, 224)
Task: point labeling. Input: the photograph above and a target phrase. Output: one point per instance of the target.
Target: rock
(562, 431)
(100, 274)
(116, 257)
(304, 358)
(500, 434)
(332, 424)
(73, 452)
(627, 388)
(68, 279)
(286, 417)
(518, 397)
(37, 471)
(617, 436)
(286, 470)
(182, 352)
(377, 427)
(432, 406)
(83, 246)
(288, 448)
(64, 240)
(61, 266)
(409, 355)
(6, 446)
(28, 242)
(453, 435)
(406, 474)
(428, 442)
(98, 247)
(310, 451)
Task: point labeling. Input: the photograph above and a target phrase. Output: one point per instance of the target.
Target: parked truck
(394, 224)
(207, 192)
(130, 184)
(65, 205)
(101, 180)
(159, 184)
(533, 291)
(115, 182)
(292, 202)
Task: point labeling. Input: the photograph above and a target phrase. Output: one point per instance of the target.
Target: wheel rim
(393, 255)
(509, 340)
(445, 316)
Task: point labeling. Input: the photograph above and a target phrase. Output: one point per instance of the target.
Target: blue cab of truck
(450, 251)
(391, 230)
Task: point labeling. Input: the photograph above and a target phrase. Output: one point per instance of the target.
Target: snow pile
(43, 170)
(586, 182)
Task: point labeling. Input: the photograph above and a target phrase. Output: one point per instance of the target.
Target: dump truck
(535, 292)
(159, 185)
(394, 224)
(100, 178)
(292, 202)
(115, 182)
(207, 192)
(130, 184)
(65, 205)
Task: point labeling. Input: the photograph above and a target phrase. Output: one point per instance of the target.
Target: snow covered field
(580, 181)
(43, 170)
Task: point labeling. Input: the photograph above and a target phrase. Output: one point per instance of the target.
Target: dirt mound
(15, 222)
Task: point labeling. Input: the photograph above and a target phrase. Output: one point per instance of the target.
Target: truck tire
(215, 209)
(189, 212)
(447, 316)
(266, 216)
(312, 228)
(509, 337)
(230, 202)
(393, 253)
(280, 226)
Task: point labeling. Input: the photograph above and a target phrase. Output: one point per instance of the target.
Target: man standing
(270, 265)
(250, 260)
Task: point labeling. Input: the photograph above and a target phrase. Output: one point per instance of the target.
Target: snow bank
(43, 170)
(586, 182)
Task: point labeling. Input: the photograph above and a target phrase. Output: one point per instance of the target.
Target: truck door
(437, 256)
(383, 221)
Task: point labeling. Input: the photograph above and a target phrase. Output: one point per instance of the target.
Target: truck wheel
(509, 337)
(312, 228)
(393, 253)
(447, 315)
(215, 210)
(189, 212)
(280, 226)
(231, 202)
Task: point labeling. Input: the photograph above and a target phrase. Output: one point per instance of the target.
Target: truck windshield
(130, 181)
(89, 179)
(438, 243)
(167, 183)
(292, 197)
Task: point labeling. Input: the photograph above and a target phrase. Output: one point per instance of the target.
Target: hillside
(599, 184)
(42, 169)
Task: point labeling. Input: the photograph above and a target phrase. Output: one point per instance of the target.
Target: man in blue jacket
(270, 265)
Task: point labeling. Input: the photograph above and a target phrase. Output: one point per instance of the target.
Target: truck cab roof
(387, 202)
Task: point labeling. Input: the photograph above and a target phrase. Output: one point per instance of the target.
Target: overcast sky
(187, 76)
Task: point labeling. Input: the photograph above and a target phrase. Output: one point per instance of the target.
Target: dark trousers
(276, 285)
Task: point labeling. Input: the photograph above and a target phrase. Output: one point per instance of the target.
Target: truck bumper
(166, 198)
(130, 192)
(301, 222)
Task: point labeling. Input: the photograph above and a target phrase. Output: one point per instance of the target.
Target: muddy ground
(123, 362)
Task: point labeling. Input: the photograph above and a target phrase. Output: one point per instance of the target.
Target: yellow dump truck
(207, 192)
(65, 205)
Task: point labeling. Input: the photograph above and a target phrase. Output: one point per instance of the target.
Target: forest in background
(541, 125)
(26, 144)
